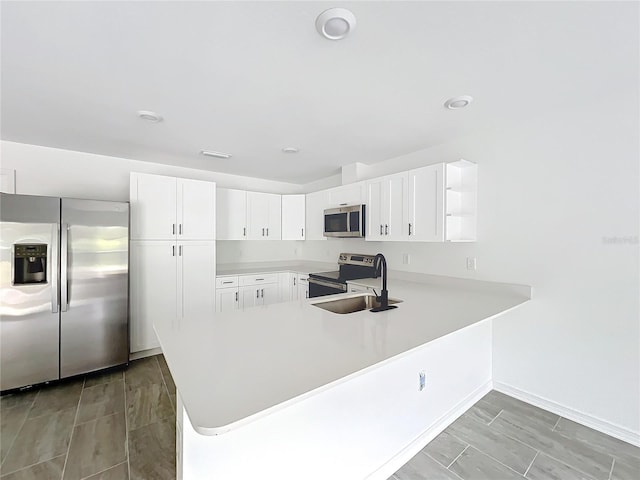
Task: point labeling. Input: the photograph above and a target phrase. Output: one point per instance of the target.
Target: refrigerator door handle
(64, 267)
(55, 290)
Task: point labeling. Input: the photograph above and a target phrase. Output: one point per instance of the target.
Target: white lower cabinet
(246, 291)
(302, 290)
(227, 299)
(168, 280)
(255, 295)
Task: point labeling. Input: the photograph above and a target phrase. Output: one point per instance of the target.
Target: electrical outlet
(471, 263)
(423, 380)
(405, 259)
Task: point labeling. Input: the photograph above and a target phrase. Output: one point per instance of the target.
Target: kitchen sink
(352, 304)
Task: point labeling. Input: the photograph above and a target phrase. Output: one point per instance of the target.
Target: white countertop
(237, 367)
(272, 267)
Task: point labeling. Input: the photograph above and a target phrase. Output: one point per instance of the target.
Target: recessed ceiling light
(211, 153)
(149, 116)
(290, 150)
(335, 23)
(456, 103)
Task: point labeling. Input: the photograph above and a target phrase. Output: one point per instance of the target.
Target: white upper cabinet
(231, 214)
(316, 203)
(196, 210)
(293, 217)
(352, 194)
(154, 200)
(263, 216)
(426, 204)
(168, 208)
(442, 202)
(387, 208)
(461, 187)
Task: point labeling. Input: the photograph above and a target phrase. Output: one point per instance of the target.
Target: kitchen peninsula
(291, 390)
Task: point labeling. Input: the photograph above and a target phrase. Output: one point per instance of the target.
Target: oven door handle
(322, 283)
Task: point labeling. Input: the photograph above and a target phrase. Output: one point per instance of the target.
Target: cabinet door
(293, 213)
(285, 286)
(196, 279)
(231, 217)
(303, 286)
(153, 207)
(426, 204)
(227, 299)
(153, 290)
(269, 294)
(274, 216)
(196, 210)
(257, 216)
(352, 194)
(315, 205)
(249, 296)
(375, 217)
(395, 206)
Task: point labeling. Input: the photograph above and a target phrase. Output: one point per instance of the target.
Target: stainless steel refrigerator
(64, 280)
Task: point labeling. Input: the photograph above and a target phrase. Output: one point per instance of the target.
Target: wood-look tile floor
(501, 438)
(114, 426)
(121, 425)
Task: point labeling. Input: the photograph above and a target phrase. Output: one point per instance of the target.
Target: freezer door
(29, 322)
(94, 285)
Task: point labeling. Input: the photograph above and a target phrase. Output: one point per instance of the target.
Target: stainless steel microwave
(344, 221)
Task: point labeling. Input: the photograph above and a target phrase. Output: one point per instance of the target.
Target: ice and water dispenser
(29, 263)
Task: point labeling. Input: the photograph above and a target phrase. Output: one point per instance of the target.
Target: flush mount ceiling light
(211, 153)
(290, 150)
(335, 23)
(456, 103)
(149, 116)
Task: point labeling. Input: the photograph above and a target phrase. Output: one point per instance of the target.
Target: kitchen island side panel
(366, 427)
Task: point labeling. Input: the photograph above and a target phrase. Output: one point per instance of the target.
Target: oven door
(320, 288)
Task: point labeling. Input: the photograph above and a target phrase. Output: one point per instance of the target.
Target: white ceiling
(252, 77)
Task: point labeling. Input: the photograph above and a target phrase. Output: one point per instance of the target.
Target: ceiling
(250, 78)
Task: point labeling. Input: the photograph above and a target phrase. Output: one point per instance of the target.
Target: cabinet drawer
(258, 279)
(226, 282)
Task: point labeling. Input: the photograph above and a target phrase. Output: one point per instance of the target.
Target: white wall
(550, 195)
(66, 173)
(256, 251)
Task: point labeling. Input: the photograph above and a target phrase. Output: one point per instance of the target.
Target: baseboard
(145, 353)
(587, 420)
(430, 433)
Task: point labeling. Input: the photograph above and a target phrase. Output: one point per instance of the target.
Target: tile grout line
(164, 382)
(102, 471)
(26, 417)
(612, 465)
(440, 463)
(26, 467)
(587, 475)
(73, 428)
(126, 423)
(556, 425)
(460, 454)
(498, 461)
(531, 464)
(489, 424)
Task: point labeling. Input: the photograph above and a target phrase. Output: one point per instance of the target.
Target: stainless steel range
(352, 266)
